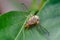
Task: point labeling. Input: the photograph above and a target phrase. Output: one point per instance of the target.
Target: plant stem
(34, 10)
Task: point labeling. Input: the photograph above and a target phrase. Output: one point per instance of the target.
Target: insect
(34, 19)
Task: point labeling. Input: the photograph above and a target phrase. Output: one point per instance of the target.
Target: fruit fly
(33, 20)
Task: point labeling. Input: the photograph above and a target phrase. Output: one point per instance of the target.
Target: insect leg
(43, 30)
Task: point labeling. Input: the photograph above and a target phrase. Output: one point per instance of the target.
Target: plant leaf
(50, 18)
(10, 24)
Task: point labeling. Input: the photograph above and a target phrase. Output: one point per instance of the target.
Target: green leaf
(10, 24)
(50, 19)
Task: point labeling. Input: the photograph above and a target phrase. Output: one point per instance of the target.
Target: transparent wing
(42, 30)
